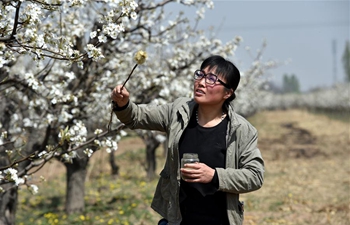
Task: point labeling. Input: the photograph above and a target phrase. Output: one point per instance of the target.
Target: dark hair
(226, 69)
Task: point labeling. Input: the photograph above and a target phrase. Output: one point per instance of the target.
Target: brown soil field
(307, 179)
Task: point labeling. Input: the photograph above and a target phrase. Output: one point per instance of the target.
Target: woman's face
(210, 94)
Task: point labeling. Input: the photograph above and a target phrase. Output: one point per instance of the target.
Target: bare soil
(307, 179)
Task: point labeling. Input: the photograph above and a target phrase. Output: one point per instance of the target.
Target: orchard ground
(307, 179)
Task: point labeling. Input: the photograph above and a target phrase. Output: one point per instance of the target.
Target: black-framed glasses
(209, 78)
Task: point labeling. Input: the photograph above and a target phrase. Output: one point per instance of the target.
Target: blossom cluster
(10, 174)
(55, 36)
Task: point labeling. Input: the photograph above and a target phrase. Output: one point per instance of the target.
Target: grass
(306, 179)
(123, 199)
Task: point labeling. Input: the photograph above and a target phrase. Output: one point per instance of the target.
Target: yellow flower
(140, 57)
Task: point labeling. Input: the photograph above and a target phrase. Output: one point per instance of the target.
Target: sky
(311, 35)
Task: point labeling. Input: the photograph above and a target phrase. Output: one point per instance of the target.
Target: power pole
(334, 61)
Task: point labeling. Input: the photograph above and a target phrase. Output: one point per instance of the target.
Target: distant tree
(346, 61)
(273, 87)
(290, 84)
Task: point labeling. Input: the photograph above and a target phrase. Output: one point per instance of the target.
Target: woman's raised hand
(120, 95)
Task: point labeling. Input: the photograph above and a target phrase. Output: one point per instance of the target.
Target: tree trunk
(8, 199)
(8, 205)
(151, 146)
(76, 174)
(114, 166)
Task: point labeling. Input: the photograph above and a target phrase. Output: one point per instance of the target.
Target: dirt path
(307, 179)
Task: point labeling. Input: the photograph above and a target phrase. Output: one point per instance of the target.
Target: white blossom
(88, 152)
(10, 174)
(98, 131)
(41, 154)
(3, 134)
(133, 5)
(68, 157)
(33, 12)
(133, 15)
(93, 52)
(70, 75)
(78, 133)
(93, 34)
(102, 38)
(113, 29)
(110, 144)
(123, 133)
(97, 142)
(33, 189)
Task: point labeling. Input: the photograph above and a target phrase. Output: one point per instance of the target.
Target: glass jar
(188, 158)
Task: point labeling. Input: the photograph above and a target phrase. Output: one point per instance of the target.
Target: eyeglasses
(209, 78)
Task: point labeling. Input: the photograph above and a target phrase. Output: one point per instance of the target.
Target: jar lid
(190, 156)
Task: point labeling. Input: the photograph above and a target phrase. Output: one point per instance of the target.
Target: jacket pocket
(241, 207)
(235, 209)
(162, 195)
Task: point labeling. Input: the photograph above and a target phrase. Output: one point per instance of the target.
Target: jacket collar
(233, 117)
(187, 110)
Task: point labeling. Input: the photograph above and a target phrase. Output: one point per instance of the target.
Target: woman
(230, 162)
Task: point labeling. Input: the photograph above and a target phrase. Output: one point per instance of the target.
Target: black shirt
(202, 204)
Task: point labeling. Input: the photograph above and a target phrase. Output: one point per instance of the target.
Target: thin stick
(128, 77)
(111, 115)
(110, 121)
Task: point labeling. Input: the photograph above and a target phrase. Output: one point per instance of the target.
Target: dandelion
(140, 58)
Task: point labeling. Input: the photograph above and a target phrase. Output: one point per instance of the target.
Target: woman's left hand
(197, 173)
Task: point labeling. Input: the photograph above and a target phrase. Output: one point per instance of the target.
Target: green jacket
(244, 163)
